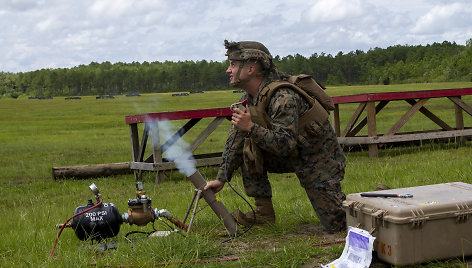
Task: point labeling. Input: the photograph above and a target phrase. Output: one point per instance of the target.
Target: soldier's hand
(242, 119)
(215, 185)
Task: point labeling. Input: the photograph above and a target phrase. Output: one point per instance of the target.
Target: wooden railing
(373, 103)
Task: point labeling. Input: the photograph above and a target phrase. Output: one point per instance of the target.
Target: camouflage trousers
(324, 192)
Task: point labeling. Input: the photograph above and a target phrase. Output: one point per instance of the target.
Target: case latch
(419, 218)
(378, 218)
(463, 212)
(354, 207)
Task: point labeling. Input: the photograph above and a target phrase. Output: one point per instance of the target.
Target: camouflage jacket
(321, 151)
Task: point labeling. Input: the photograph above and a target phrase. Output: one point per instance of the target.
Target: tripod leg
(199, 193)
(191, 203)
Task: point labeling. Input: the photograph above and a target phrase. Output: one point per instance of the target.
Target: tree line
(437, 62)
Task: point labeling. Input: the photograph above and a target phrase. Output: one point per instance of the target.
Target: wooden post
(358, 127)
(134, 145)
(156, 149)
(372, 128)
(459, 121)
(336, 121)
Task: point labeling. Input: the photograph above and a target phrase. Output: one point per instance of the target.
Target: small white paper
(357, 252)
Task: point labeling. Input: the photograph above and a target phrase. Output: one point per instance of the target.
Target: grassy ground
(36, 135)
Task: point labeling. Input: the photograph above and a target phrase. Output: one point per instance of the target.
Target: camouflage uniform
(319, 163)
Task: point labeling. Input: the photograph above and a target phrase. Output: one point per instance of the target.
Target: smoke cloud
(178, 152)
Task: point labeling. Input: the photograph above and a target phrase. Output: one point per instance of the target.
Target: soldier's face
(232, 71)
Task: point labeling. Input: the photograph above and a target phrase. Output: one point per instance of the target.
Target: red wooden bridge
(372, 103)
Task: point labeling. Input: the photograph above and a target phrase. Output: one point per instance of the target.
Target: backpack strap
(316, 112)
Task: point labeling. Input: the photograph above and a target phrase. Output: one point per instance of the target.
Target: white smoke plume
(177, 152)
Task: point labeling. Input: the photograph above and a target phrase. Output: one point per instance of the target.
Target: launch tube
(210, 197)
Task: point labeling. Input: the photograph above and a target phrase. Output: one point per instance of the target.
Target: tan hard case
(433, 224)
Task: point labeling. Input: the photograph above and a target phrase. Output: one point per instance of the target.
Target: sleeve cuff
(251, 130)
(221, 176)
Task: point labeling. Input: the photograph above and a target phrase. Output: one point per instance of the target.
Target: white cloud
(46, 24)
(65, 33)
(116, 9)
(334, 10)
(444, 18)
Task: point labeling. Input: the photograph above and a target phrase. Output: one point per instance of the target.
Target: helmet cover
(249, 50)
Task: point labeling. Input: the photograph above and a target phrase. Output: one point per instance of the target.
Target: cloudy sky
(66, 33)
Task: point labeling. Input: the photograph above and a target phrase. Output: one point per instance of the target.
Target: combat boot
(264, 213)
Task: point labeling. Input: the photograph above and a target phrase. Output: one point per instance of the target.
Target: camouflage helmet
(249, 50)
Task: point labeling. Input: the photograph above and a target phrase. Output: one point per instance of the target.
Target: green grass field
(36, 135)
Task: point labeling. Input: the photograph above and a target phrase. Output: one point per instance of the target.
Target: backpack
(313, 88)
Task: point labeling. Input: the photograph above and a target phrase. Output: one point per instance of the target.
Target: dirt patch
(318, 232)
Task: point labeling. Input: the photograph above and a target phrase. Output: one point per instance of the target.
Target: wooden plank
(403, 95)
(134, 141)
(404, 137)
(156, 149)
(144, 139)
(142, 149)
(179, 134)
(459, 115)
(198, 163)
(363, 122)
(350, 98)
(134, 135)
(462, 104)
(336, 121)
(178, 115)
(205, 133)
(141, 166)
(431, 116)
(372, 128)
(354, 118)
(406, 117)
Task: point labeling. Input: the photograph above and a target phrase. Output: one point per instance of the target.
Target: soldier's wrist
(220, 176)
(251, 130)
